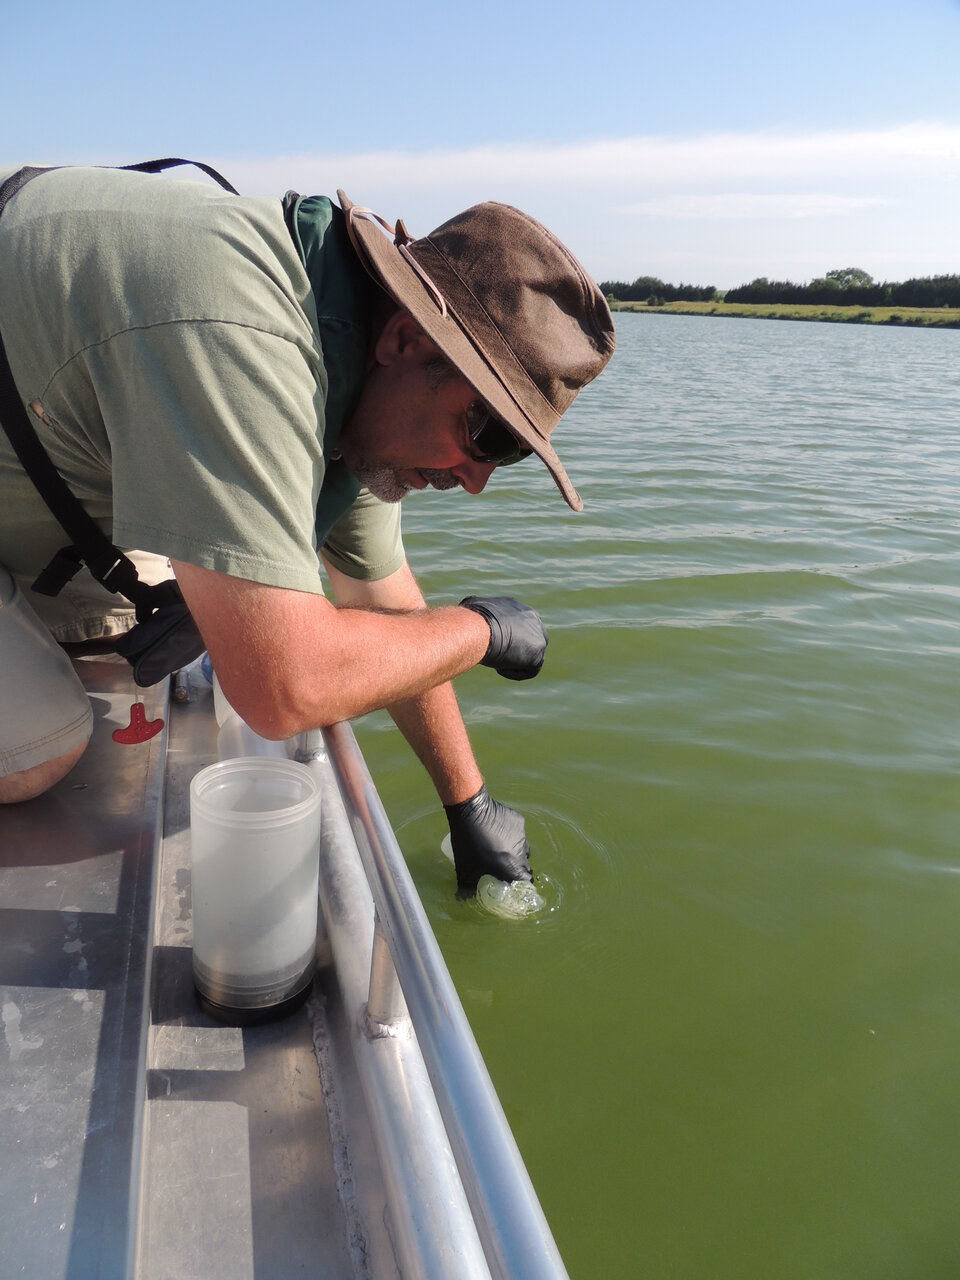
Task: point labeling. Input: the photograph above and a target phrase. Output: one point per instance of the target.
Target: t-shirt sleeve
(214, 430)
(366, 541)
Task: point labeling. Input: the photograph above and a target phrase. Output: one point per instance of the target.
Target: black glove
(517, 638)
(488, 840)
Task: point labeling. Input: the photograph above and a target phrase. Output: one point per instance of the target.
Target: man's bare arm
(289, 660)
(430, 721)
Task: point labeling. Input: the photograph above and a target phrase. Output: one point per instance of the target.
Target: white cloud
(750, 205)
(647, 162)
(722, 207)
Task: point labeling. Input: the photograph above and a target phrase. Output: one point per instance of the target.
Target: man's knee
(45, 715)
(29, 783)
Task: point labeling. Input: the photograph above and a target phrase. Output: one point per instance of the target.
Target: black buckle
(119, 576)
(64, 566)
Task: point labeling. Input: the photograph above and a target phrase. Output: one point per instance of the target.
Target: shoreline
(912, 317)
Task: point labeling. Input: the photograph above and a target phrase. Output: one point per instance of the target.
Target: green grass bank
(940, 317)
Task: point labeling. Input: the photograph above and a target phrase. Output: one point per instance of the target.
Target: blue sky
(695, 141)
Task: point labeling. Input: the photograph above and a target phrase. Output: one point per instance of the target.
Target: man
(241, 386)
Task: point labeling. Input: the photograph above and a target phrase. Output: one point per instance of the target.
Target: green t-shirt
(191, 375)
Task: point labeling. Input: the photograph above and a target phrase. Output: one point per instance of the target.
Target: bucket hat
(506, 303)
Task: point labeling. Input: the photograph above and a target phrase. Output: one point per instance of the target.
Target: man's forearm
(434, 728)
(431, 722)
(289, 661)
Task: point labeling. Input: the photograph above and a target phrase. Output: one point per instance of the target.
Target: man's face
(406, 432)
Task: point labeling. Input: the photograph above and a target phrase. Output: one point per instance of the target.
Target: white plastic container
(221, 707)
(236, 738)
(255, 835)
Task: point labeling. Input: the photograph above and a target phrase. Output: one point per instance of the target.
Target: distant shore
(940, 317)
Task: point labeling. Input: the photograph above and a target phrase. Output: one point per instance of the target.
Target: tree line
(844, 287)
(649, 288)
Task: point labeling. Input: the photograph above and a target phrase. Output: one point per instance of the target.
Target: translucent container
(236, 738)
(221, 707)
(255, 836)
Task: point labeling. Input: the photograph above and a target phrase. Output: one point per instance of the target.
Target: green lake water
(731, 1048)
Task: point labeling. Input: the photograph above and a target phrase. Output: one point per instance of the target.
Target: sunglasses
(493, 439)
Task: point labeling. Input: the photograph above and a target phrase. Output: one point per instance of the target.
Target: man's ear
(402, 339)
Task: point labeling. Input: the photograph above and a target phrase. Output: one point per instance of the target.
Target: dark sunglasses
(493, 439)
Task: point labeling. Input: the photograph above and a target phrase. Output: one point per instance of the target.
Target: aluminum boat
(359, 1137)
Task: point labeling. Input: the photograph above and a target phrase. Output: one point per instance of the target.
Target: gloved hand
(517, 638)
(488, 839)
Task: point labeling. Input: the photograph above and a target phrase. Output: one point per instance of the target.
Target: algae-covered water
(729, 1046)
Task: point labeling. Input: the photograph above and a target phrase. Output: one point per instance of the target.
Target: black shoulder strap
(17, 180)
(171, 162)
(108, 565)
(20, 179)
(91, 546)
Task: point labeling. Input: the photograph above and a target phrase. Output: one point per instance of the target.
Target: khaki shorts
(44, 711)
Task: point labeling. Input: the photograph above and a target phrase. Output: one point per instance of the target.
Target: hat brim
(391, 270)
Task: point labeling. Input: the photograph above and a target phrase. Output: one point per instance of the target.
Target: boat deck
(138, 1136)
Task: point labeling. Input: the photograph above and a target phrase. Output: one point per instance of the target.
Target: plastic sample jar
(255, 836)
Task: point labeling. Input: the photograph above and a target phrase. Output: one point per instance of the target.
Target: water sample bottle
(511, 899)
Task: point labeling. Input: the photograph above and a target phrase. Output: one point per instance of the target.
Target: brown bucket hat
(508, 305)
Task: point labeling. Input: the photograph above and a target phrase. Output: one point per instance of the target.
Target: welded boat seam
(141, 1119)
(342, 1164)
